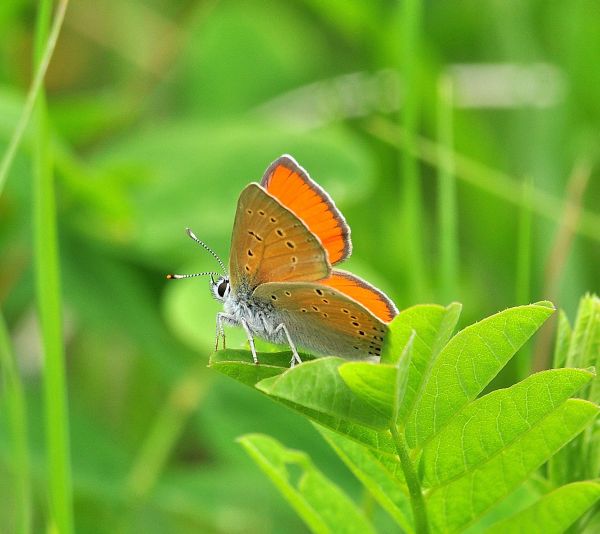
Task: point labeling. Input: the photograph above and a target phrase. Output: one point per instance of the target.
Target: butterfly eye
(222, 288)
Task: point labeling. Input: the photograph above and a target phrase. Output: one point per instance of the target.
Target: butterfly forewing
(293, 187)
(269, 243)
(324, 320)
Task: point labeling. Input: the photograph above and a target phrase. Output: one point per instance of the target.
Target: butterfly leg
(220, 330)
(250, 340)
(295, 355)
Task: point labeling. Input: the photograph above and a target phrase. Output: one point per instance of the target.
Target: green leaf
(554, 512)
(239, 365)
(319, 502)
(402, 370)
(584, 349)
(373, 383)
(581, 459)
(384, 484)
(563, 339)
(318, 386)
(491, 424)
(381, 386)
(459, 501)
(379, 442)
(468, 362)
(434, 326)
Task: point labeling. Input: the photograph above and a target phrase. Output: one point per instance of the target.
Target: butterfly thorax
(259, 314)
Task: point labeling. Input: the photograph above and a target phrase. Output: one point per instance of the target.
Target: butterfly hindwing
(324, 320)
(269, 243)
(360, 290)
(293, 187)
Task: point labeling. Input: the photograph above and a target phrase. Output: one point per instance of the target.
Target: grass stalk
(32, 94)
(15, 406)
(522, 360)
(411, 185)
(561, 248)
(485, 178)
(447, 214)
(523, 278)
(47, 274)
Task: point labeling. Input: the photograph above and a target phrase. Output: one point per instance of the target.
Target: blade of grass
(522, 361)
(447, 213)
(411, 185)
(523, 279)
(571, 215)
(14, 401)
(576, 187)
(487, 179)
(32, 94)
(47, 273)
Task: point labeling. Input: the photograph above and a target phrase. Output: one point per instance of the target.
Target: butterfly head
(220, 287)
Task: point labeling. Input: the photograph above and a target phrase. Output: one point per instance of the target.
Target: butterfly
(281, 285)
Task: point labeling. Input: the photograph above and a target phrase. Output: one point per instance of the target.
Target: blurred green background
(161, 112)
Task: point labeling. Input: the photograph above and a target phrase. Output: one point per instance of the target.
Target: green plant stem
(46, 259)
(447, 194)
(412, 481)
(34, 90)
(411, 179)
(14, 401)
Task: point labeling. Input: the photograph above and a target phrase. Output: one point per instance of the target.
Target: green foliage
(580, 347)
(555, 512)
(463, 452)
(158, 114)
(14, 401)
(322, 505)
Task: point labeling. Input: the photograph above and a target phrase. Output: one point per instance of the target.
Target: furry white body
(258, 318)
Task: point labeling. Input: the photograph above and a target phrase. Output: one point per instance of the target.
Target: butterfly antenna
(180, 276)
(203, 244)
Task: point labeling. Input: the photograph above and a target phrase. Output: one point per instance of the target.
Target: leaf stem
(412, 481)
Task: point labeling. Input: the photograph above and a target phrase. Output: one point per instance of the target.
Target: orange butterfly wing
(293, 187)
(376, 301)
(270, 244)
(324, 320)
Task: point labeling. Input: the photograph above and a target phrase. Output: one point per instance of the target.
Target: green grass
(14, 401)
(411, 201)
(523, 274)
(446, 202)
(33, 94)
(113, 421)
(49, 303)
